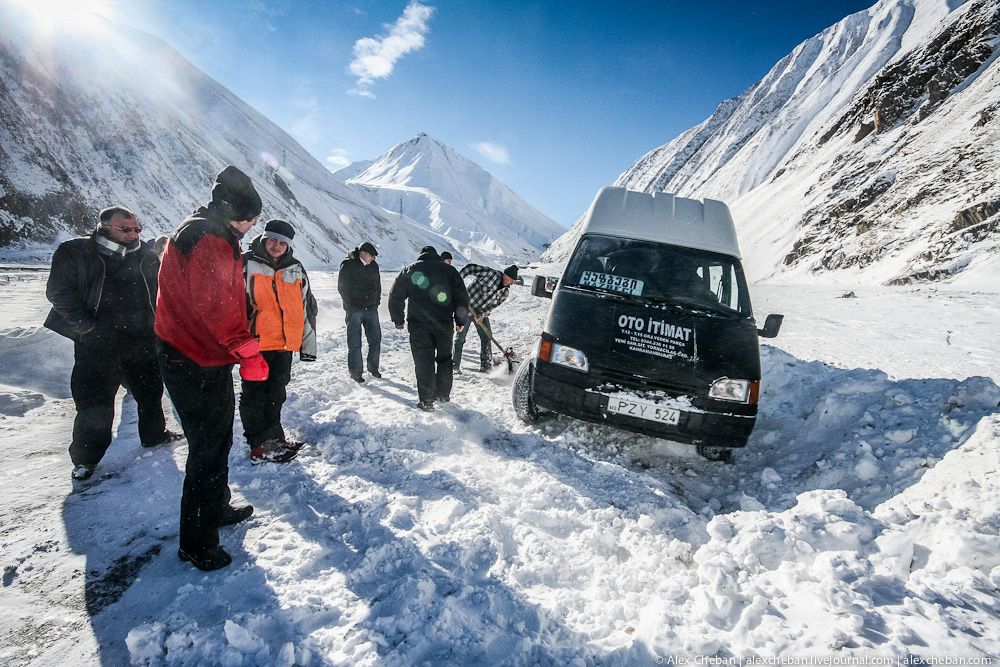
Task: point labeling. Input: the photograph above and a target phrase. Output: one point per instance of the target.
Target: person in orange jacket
(282, 315)
(201, 323)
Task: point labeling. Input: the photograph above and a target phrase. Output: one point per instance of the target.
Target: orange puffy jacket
(281, 307)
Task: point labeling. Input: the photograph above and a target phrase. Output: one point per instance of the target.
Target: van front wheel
(723, 454)
(521, 395)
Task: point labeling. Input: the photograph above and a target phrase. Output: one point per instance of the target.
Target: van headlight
(727, 389)
(570, 357)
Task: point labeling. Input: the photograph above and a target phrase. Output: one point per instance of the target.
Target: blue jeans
(356, 320)
(485, 358)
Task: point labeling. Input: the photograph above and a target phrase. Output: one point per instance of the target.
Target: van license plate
(642, 410)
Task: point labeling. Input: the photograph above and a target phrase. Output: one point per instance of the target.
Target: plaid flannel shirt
(486, 291)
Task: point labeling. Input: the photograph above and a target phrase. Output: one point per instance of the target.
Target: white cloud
(339, 158)
(495, 153)
(375, 57)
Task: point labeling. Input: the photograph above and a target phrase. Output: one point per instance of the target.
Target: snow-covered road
(862, 519)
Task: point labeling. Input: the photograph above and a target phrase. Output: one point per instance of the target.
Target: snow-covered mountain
(134, 123)
(430, 182)
(870, 151)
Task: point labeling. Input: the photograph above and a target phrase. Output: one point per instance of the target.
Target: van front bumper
(697, 427)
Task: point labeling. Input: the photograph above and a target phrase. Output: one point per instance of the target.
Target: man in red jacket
(201, 322)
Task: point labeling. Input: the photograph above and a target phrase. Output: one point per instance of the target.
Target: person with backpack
(438, 304)
(201, 321)
(360, 285)
(282, 315)
(103, 293)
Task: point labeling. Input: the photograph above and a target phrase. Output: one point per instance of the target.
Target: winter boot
(206, 559)
(426, 406)
(375, 374)
(165, 439)
(83, 471)
(358, 378)
(272, 451)
(232, 515)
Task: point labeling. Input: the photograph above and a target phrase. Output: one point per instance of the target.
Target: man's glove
(253, 367)
(304, 356)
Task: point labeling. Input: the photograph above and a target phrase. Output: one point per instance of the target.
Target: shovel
(507, 353)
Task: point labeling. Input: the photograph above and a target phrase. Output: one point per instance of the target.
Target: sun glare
(77, 14)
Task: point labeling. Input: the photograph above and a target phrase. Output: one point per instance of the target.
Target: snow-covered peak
(866, 154)
(134, 123)
(432, 183)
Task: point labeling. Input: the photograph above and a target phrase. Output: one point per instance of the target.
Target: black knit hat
(369, 248)
(234, 188)
(428, 248)
(446, 255)
(511, 271)
(279, 230)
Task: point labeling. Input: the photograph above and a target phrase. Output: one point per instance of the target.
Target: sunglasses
(126, 230)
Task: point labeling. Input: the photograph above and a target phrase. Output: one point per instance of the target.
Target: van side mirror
(540, 287)
(771, 326)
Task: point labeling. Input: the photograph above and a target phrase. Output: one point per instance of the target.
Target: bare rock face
(913, 87)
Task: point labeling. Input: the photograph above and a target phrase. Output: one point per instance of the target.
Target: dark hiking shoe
(232, 515)
(426, 406)
(295, 444)
(457, 370)
(206, 559)
(444, 399)
(358, 378)
(272, 451)
(166, 438)
(82, 472)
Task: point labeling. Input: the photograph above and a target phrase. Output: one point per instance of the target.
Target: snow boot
(232, 515)
(83, 471)
(426, 406)
(358, 378)
(165, 439)
(272, 451)
(207, 559)
(375, 374)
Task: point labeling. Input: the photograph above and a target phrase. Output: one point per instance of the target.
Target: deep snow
(861, 520)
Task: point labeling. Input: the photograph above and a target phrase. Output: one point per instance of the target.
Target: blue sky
(556, 99)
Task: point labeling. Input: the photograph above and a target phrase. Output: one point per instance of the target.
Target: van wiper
(702, 307)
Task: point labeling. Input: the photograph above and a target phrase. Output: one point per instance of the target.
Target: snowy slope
(428, 181)
(860, 522)
(868, 153)
(133, 123)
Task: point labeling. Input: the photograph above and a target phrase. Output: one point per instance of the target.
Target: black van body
(652, 337)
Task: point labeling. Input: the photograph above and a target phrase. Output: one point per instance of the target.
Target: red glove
(253, 368)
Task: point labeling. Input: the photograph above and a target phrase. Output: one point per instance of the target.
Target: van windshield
(660, 273)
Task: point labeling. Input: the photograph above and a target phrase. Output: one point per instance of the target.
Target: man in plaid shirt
(488, 290)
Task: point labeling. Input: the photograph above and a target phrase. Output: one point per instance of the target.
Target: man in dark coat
(203, 330)
(438, 305)
(360, 286)
(103, 294)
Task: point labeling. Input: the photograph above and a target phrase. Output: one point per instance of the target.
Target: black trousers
(431, 352)
(102, 364)
(206, 404)
(260, 402)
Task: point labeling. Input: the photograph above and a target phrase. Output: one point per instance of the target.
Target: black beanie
(279, 230)
(428, 248)
(446, 255)
(233, 187)
(511, 271)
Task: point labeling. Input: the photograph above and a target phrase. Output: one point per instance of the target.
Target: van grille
(617, 377)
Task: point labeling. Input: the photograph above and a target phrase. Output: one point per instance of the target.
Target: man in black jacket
(360, 287)
(438, 306)
(103, 294)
